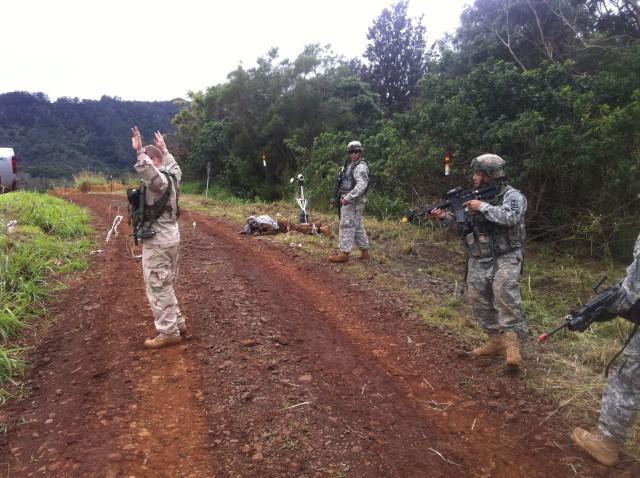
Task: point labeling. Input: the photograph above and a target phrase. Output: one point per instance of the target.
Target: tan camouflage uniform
(160, 252)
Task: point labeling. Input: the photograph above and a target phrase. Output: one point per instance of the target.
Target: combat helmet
(354, 146)
(491, 164)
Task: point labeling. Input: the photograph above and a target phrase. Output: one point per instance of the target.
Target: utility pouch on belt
(480, 244)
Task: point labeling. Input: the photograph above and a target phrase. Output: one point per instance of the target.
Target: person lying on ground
(266, 226)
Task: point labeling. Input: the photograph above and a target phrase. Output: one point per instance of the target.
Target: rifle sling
(633, 332)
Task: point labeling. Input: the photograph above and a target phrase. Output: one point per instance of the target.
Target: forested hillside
(55, 140)
(553, 86)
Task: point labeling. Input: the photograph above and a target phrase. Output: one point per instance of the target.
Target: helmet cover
(354, 146)
(491, 164)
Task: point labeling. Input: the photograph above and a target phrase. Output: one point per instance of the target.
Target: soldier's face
(355, 155)
(480, 179)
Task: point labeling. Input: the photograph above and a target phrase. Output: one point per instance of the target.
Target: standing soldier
(493, 237)
(353, 188)
(621, 398)
(159, 173)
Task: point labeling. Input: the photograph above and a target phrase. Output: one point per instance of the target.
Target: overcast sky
(146, 50)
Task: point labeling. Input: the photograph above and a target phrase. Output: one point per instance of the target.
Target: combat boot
(365, 256)
(603, 449)
(341, 257)
(162, 341)
(495, 346)
(326, 231)
(512, 344)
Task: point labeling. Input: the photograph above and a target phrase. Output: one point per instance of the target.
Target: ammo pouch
(484, 244)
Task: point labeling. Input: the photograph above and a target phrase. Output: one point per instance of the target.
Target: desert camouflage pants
(352, 228)
(160, 268)
(494, 293)
(621, 399)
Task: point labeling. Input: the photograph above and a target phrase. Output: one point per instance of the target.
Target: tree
(396, 56)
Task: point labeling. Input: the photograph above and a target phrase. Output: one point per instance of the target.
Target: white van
(8, 170)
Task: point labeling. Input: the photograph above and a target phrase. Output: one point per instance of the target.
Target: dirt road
(292, 367)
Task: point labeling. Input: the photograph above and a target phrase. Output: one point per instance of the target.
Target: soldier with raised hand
(493, 236)
(353, 189)
(160, 238)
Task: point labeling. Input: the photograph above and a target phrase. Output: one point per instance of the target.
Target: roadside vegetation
(42, 240)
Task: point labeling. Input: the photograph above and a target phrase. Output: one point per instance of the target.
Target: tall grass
(40, 237)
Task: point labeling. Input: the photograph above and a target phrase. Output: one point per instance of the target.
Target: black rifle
(335, 197)
(456, 198)
(593, 311)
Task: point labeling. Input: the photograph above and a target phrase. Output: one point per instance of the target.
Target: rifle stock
(457, 197)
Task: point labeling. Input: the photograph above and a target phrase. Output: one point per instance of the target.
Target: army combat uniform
(352, 229)
(493, 239)
(621, 399)
(160, 248)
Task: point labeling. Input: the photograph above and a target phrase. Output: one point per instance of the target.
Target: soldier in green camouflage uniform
(353, 188)
(161, 240)
(621, 399)
(493, 236)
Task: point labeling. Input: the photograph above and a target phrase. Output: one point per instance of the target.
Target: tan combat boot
(162, 341)
(512, 344)
(603, 449)
(341, 257)
(326, 231)
(493, 348)
(365, 256)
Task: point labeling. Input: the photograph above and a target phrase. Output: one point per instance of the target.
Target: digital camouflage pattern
(354, 146)
(621, 399)
(494, 279)
(492, 164)
(352, 229)
(495, 294)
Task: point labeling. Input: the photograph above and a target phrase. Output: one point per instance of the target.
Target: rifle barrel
(546, 335)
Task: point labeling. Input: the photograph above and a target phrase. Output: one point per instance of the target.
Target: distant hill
(55, 140)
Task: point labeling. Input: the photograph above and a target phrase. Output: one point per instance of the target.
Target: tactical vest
(483, 238)
(141, 213)
(349, 181)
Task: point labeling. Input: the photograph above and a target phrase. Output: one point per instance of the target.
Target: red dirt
(292, 367)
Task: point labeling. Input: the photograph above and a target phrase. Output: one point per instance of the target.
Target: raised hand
(160, 142)
(136, 140)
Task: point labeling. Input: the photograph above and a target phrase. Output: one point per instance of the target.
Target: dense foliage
(553, 86)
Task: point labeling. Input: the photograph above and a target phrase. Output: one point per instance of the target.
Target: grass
(553, 282)
(41, 239)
